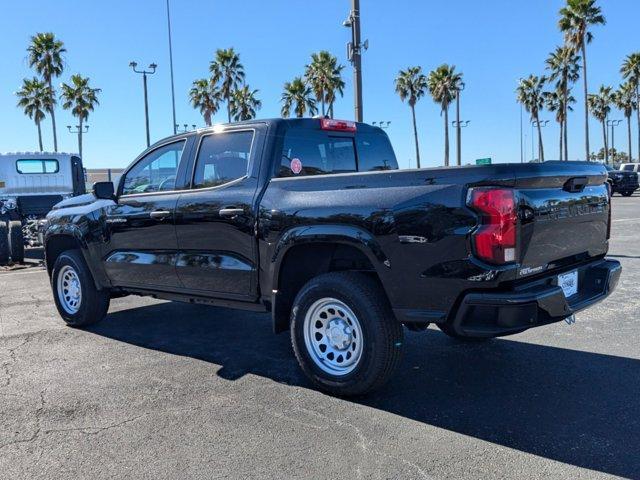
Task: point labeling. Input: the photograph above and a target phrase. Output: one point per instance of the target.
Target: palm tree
(299, 94)
(411, 85)
(81, 99)
(575, 19)
(625, 98)
(443, 86)
(45, 56)
(565, 70)
(324, 76)
(555, 102)
(227, 70)
(244, 104)
(631, 70)
(529, 94)
(205, 97)
(600, 106)
(35, 99)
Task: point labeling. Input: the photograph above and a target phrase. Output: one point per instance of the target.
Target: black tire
(94, 303)
(16, 241)
(4, 242)
(382, 333)
(450, 332)
(627, 193)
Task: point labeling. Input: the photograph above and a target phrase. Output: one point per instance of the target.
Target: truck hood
(85, 199)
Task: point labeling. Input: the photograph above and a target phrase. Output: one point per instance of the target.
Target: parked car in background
(624, 182)
(311, 220)
(630, 167)
(30, 185)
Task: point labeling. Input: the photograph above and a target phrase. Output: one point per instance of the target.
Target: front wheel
(16, 241)
(78, 300)
(627, 193)
(344, 334)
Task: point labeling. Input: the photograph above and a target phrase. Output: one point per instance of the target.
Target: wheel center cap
(339, 334)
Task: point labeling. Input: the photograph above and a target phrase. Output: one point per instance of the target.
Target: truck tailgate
(564, 215)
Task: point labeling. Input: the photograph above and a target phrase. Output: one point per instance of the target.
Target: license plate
(569, 283)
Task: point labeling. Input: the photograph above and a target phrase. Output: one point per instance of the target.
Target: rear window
(316, 152)
(37, 166)
(223, 157)
(627, 168)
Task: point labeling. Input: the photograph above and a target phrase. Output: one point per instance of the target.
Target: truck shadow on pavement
(574, 407)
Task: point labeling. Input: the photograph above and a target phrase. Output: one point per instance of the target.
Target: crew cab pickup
(311, 220)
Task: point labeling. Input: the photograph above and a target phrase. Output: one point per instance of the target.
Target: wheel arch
(306, 252)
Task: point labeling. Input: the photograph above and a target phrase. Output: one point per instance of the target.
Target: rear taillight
(495, 240)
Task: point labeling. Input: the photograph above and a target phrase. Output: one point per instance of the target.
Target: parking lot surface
(168, 390)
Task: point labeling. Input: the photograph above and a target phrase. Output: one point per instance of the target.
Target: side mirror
(104, 190)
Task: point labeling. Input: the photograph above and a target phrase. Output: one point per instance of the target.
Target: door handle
(160, 214)
(231, 212)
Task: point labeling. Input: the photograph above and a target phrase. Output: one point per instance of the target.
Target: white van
(30, 184)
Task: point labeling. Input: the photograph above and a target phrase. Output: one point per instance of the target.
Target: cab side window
(156, 172)
(222, 158)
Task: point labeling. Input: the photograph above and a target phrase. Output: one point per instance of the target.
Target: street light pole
(152, 69)
(541, 124)
(173, 92)
(613, 124)
(459, 125)
(354, 54)
(79, 130)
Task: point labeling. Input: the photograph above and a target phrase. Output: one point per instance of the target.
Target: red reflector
(337, 125)
(495, 240)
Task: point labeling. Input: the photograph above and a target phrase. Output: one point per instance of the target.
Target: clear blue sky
(493, 42)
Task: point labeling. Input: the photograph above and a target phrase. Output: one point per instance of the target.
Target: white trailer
(31, 183)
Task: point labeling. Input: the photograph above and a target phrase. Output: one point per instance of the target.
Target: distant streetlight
(152, 69)
(173, 91)
(185, 127)
(613, 124)
(78, 130)
(535, 124)
(384, 124)
(459, 125)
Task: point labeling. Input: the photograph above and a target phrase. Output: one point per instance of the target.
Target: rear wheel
(4, 242)
(344, 334)
(16, 241)
(627, 193)
(78, 300)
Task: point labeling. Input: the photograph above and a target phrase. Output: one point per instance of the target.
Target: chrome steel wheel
(69, 289)
(333, 336)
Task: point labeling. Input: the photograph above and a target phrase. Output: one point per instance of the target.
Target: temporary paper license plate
(569, 283)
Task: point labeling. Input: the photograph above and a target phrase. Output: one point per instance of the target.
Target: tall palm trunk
(229, 109)
(561, 142)
(606, 146)
(586, 105)
(540, 146)
(53, 118)
(40, 135)
(629, 136)
(415, 134)
(458, 131)
(446, 136)
(322, 100)
(566, 139)
(207, 118)
(80, 138)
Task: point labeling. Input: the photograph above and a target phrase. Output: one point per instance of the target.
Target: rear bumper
(485, 314)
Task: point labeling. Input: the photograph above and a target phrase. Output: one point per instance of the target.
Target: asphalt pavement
(167, 390)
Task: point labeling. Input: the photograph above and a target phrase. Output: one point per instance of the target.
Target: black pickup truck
(311, 220)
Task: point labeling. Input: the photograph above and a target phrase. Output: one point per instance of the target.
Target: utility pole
(79, 130)
(151, 71)
(354, 54)
(458, 124)
(173, 92)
